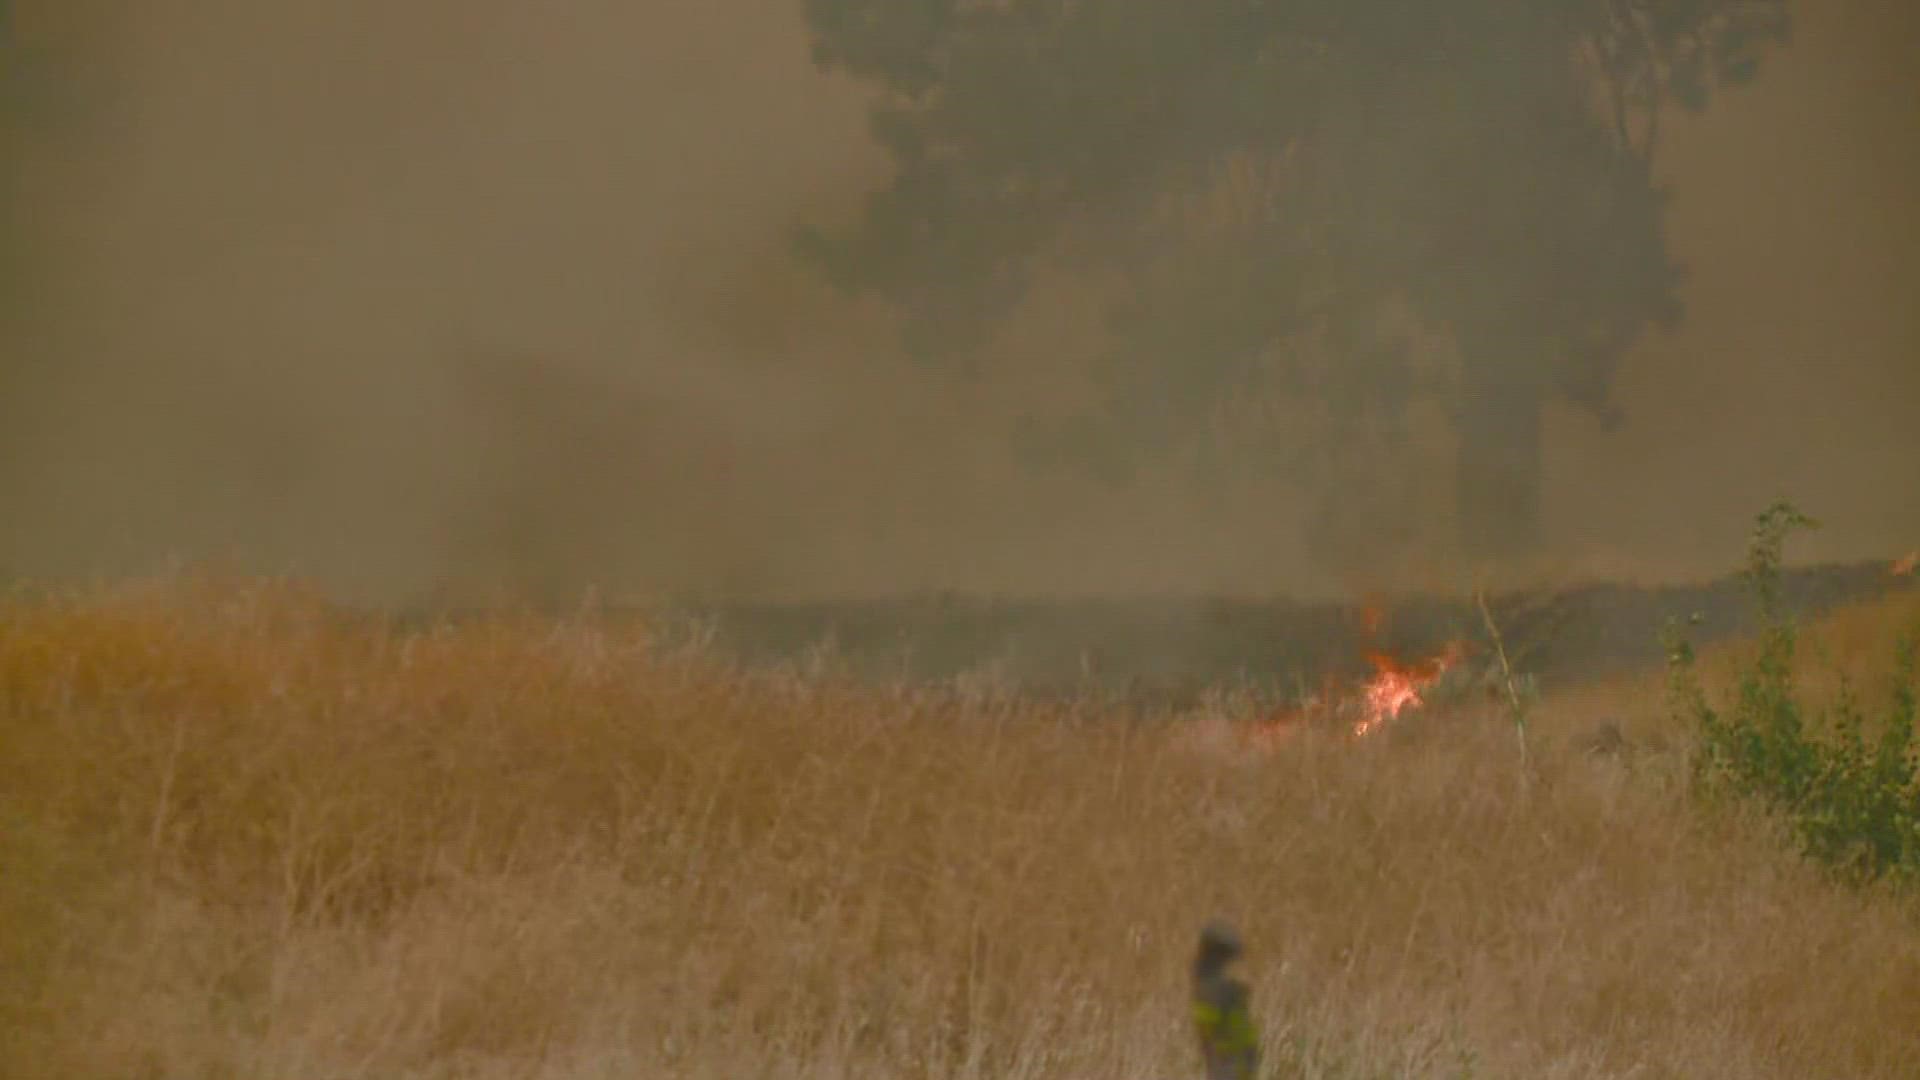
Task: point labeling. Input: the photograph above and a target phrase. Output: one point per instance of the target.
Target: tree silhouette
(1282, 188)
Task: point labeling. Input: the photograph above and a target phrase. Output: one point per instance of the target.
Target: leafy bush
(1850, 788)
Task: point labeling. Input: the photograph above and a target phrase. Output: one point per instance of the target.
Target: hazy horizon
(438, 299)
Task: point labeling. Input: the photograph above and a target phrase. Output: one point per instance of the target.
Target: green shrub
(1850, 787)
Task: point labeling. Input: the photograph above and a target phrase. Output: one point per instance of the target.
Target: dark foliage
(1281, 187)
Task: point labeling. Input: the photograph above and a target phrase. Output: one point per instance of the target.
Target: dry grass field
(245, 835)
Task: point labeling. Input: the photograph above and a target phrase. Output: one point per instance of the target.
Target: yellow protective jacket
(1229, 1042)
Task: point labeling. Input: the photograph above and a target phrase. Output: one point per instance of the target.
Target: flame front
(1394, 686)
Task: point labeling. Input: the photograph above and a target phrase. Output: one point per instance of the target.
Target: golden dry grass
(246, 836)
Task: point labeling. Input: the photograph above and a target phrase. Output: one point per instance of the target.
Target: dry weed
(248, 836)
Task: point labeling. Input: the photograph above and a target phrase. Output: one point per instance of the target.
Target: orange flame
(1395, 686)
(1907, 565)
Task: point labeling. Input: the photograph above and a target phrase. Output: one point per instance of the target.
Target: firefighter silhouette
(1229, 1043)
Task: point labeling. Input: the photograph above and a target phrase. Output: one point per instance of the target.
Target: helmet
(1219, 942)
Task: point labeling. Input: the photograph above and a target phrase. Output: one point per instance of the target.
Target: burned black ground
(1168, 649)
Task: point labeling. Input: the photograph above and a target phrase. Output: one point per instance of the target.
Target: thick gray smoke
(453, 298)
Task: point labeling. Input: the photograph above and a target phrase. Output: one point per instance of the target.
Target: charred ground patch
(1170, 648)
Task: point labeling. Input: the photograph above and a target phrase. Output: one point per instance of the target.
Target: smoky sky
(429, 298)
